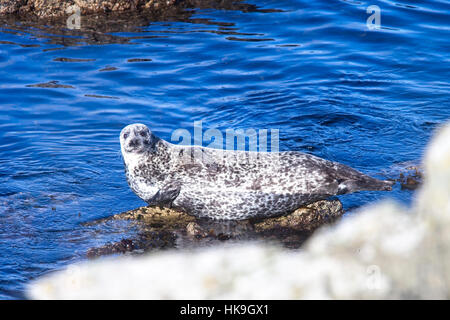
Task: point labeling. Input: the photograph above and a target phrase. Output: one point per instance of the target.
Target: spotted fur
(228, 185)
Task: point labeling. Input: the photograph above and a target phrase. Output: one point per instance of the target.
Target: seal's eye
(143, 134)
(125, 135)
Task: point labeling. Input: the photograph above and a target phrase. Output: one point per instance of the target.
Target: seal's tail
(351, 180)
(364, 183)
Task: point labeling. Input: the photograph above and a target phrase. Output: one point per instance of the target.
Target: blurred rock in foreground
(384, 251)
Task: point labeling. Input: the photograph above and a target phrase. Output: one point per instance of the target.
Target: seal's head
(135, 139)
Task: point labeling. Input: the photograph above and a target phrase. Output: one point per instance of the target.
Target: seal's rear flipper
(364, 184)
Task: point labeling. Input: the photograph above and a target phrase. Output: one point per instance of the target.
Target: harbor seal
(232, 185)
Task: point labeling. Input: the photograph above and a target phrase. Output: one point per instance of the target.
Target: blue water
(312, 69)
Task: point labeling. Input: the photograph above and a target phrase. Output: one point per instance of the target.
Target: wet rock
(138, 60)
(158, 228)
(62, 59)
(123, 246)
(411, 179)
(223, 237)
(63, 8)
(194, 230)
(142, 243)
(156, 218)
(57, 8)
(306, 218)
(185, 231)
(50, 84)
(156, 240)
(10, 6)
(98, 27)
(410, 184)
(108, 69)
(100, 97)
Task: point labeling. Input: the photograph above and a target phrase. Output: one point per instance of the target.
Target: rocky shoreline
(99, 20)
(63, 8)
(58, 8)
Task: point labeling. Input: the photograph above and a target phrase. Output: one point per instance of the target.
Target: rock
(62, 59)
(411, 179)
(144, 242)
(125, 245)
(307, 218)
(157, 218)
(10, 6)
(290, 230)
(64, 8)
(58, 8)
(194, 230)
(156, 240)
(139, 60)
(158, 230)
(108, 69)
(50, 84)
(98, 27)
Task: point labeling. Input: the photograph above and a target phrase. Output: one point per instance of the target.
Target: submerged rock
(50, 84)
(412, 178)
(123, 246)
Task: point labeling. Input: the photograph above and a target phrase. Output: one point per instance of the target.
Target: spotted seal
(229, 185)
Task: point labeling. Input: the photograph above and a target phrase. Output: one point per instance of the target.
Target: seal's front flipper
(165, 196)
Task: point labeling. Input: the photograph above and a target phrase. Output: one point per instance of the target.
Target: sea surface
(369, 98)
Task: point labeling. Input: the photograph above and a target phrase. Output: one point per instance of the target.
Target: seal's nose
(133, 143)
